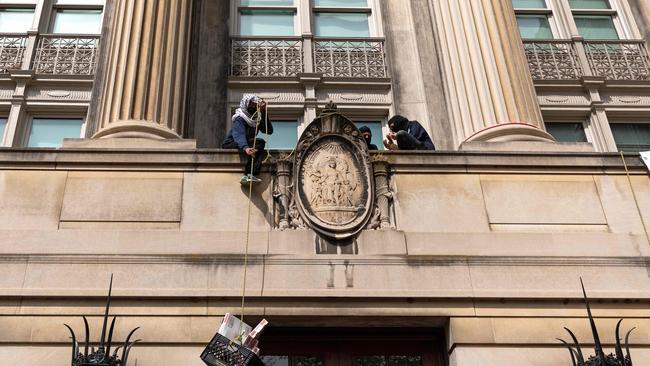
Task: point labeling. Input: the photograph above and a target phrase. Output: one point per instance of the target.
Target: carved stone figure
(330, 184)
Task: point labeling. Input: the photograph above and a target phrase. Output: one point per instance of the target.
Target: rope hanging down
(636, 200)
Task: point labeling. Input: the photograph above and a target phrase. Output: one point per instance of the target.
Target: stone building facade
(114, 112)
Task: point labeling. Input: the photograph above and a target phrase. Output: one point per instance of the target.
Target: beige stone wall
(490, 245)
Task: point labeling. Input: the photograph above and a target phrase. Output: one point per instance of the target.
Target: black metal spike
(102, 340)
(598, 346)
(127, 351)
(627, 344)
(87, 345)
(110, 339)
(126, 344)
(116, 349)
(571, 351)
(618, 349)
(74, 344)
(579, 355)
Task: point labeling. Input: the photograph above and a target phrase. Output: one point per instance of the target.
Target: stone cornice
(402, 162)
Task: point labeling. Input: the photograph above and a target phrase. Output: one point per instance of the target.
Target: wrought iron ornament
(600, 359)
(102, 356)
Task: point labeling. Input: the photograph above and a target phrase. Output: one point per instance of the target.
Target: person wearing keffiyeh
(249, 119)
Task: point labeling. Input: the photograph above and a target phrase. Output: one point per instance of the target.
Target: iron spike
(619, 350)
(571, 351)
(581, 358)
(127, 351)
(126, 344)
(627, 345)
(110, 338)
(87, 336)
(598, 346)
(74, 344)
(108, 305)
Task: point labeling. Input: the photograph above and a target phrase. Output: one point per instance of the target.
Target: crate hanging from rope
(235, 344)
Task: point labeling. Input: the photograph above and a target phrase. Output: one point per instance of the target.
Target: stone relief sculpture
(330, 185)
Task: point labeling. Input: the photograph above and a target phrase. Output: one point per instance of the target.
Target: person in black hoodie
(246, 123)
(407, 135)
(367, 135)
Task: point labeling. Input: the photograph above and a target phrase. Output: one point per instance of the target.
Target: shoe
(244, 180)
(254, 179)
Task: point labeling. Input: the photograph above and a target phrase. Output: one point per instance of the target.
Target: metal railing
(66, 54)
(350, 58)
(12, 51)
(553, 60)
(625, 60)
(618, 60)
(266, 57)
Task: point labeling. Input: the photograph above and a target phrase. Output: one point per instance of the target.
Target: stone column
(490, 92)
(641, 11)
(145, 76)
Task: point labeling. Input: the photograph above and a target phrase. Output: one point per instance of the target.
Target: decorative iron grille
(12, 51)
(553, 60)
(66, 55)
(618, 60)
(268, 57)
(352, 58)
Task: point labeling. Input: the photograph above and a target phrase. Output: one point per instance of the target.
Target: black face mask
(251, 110)
(368, 139)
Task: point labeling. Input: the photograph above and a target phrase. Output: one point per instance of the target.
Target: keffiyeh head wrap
(242, 111)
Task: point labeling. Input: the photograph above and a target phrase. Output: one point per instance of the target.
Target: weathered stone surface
(440, 203)
(31, 200)
(122, 196)
(537, 199)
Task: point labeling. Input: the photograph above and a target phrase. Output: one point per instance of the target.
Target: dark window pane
(524, 4)
(341, 25)
(404, 361)
(596, 26)
(534, 27)
(632, 137)
(3, 124)
(567, 132)
(341, 3)
(267, 3)
(589, 4)
(50, 132)
(266, 23)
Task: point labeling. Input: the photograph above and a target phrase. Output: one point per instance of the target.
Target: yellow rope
(636, 201)
(248, 231)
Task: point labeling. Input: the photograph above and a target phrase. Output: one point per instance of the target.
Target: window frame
(625, 121)
(623, 26)
(236, 10)
(79, 6)
(16, 5)
(549, 11)
(29, 121)
(369, 10)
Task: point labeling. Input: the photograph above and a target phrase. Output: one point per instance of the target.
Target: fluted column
(491, 95)
(145, 77)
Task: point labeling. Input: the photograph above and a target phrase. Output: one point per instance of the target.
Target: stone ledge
(130, 143)
(402, 162)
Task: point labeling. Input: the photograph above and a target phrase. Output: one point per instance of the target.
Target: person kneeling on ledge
(249, 119)
(407, 135)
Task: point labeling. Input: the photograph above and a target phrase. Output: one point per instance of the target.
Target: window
(3, 127)
(267, 18)
(50, 132)
(533, 17)
(594, 19)
(341, 18)
(285, 136)
(77, 21)
(631, 136)
(16, 20)
(567, 132)
(375, 129)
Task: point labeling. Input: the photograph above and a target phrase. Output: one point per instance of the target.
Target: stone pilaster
(145, 76)
(641, 11)
(491, 96)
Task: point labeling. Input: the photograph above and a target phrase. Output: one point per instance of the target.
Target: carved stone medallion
(333, 177)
